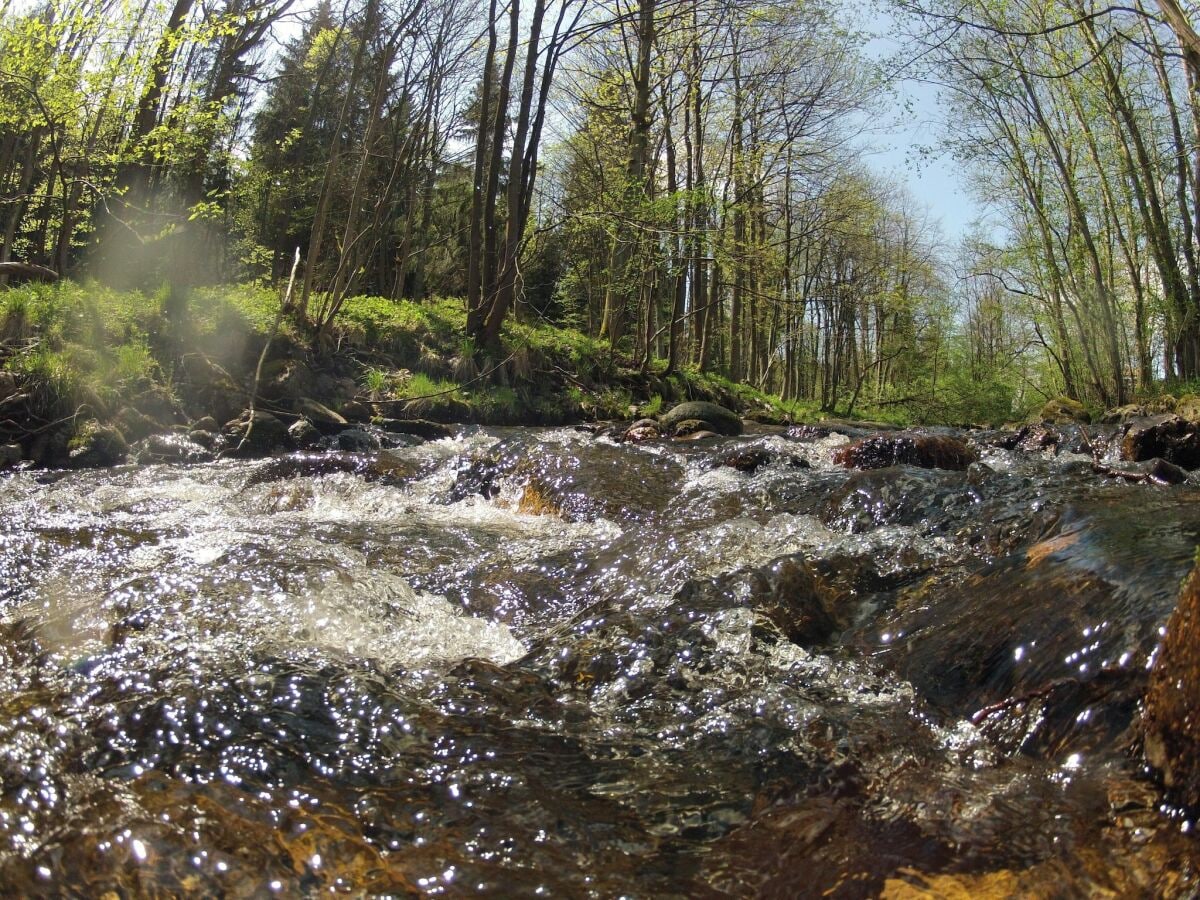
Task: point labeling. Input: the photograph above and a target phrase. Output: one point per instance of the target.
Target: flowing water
(539, 663)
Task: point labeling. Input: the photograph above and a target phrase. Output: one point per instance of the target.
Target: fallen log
(27, 271)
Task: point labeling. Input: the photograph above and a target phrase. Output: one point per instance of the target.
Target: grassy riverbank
(72, 353)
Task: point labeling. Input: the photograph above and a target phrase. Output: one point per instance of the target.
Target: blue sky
(912, 121)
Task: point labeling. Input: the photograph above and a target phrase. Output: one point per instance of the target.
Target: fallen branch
(28, 271)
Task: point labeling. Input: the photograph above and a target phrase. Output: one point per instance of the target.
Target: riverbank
(86, 372)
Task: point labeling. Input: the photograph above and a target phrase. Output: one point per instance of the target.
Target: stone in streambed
(422, 428)
(923, 451)
(355, 440)
(170, 448)
(1168, 437)
(717, 417)
(1171, 716)
(641, 430)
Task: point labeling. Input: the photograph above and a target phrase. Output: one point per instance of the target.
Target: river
(542, 663)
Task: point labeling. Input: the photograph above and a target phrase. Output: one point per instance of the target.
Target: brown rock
(1167, 436)
(641, 430)
(923, 451)
(1171, 717)
(322, 417)
(354, 411)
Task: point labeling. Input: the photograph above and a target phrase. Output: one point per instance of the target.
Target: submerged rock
(307, 465)
(923, 451)
(716, 417)
(170, 448)
(1170, 721)
(1169, 437)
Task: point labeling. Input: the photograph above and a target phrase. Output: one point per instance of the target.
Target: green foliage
(422, 387)
(652, 407)
(50, 374)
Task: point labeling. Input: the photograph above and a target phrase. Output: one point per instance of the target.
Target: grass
(84, 343)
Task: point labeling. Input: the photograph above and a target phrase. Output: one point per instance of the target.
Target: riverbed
(539, 662)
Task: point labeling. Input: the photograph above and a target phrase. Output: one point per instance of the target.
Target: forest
(685, 181)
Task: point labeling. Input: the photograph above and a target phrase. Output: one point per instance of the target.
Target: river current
(543, 663)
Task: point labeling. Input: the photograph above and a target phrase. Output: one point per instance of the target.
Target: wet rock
(606, 481)
(923, 451)
(853, 430)
(1022, 639)
(753, 458)
(641, 430)
(353, 411)
(1170, 725)
(746, 459)
(809, 432)
(206, 423)
(355, 440)
(170, 448)
(258, 436)
(1062, 410)
(787, 591)
(719, 419)
(1166, 436)
(1046, 721)
(304, 434)
(1154, 471)
(1163, 472)
(96, 445)
(422, 428)
(320, 416)
(307, 465)
(393, 467)
(10, 455)
(693, 429)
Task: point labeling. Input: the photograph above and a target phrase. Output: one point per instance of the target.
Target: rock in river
(721, 420)
(1169, 437)
(1170, 724)
(923, 451)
